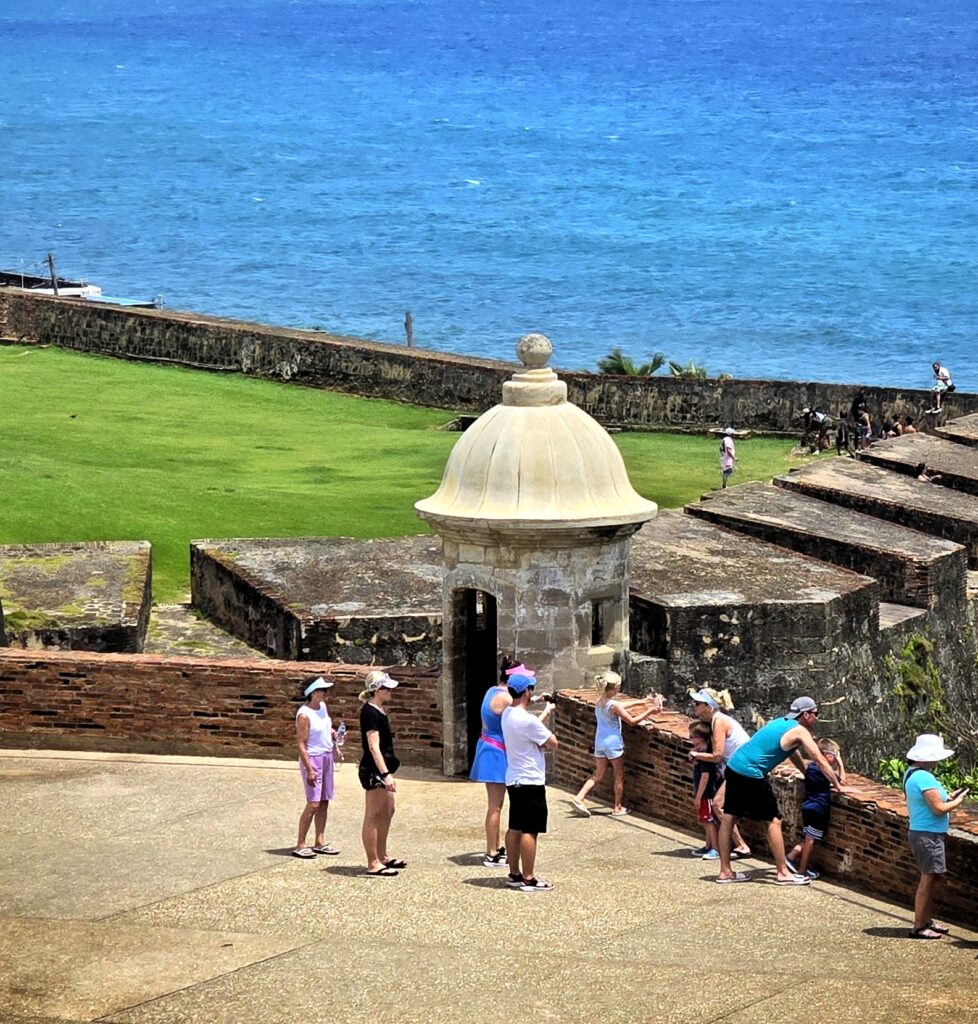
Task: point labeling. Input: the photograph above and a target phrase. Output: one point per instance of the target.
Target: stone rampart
(235, 708)
(423, 377)
(866, 842)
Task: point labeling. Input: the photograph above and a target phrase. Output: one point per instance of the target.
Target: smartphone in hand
(959, 792)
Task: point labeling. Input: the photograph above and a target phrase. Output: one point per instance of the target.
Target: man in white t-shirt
(942, 385)
(526, 739)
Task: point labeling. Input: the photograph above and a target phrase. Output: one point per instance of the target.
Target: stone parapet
(235, 708)
(424, 377)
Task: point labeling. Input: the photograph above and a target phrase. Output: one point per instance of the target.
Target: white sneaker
(496, 860)
(536, 885)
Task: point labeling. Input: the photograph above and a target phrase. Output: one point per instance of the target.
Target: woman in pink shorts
(314, 731)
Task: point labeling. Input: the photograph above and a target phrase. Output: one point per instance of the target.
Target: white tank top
(320, 729)
(736, 736)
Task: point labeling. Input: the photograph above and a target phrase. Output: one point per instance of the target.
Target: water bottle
(341, 734)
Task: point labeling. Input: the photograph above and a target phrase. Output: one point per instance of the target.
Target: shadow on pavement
(486, 883)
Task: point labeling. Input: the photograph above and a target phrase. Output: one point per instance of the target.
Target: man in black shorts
(526, 739)
(749, 792)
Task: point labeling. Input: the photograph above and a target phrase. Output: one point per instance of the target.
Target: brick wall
(425, 377)
(151, 704)
(866, 844)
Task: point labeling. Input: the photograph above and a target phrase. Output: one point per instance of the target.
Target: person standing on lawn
(749, 792)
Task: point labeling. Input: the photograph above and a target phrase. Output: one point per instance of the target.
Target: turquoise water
(779, 190)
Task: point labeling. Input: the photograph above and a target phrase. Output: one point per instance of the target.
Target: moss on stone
(918, 687)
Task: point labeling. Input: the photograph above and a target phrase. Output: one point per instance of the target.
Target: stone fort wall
(424, 377)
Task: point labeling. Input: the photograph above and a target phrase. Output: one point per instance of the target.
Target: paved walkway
(153, 890)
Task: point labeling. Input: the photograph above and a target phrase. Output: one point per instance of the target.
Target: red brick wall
(866, 844)
(151, 704)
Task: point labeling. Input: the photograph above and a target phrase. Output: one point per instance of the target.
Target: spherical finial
(534, 351)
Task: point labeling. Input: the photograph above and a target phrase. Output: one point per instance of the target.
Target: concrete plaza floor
(154, 890)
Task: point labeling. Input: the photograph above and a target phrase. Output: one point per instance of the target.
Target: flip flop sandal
(395, 863)
(326, 848)
(738, 855)
(794, 880)
(384, 872)
(306, 853)
(925, 933)
(738, 876)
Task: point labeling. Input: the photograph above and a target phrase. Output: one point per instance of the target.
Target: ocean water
(775, 189)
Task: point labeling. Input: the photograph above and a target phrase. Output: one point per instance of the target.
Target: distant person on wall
(728, 455)
(929, 807)
(816, 808)
(726, 736)
(749, 792)
(908, 425)
(942, 386)
(924, 475)
(489, 763)
(526, 738)
(844, 436)
(609, 745)
(315, 736)
(377, 767)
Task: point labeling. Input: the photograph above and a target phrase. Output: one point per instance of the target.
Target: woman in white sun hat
(930, 809)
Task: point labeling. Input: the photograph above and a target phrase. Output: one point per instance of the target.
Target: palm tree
(617, 363)
(690, 370)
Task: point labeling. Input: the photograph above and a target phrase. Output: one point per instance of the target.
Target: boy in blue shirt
(816, 807)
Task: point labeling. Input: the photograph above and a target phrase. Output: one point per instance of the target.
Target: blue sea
(775, 189)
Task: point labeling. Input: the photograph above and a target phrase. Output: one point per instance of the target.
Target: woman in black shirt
(377, 767)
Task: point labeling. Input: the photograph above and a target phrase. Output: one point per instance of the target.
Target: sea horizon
(778, 194)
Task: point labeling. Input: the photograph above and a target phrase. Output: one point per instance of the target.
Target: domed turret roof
(536, 461)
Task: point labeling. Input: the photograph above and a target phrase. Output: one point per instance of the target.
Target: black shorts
(528, 809)
(750, 798)
(815, 822)
(369, 776)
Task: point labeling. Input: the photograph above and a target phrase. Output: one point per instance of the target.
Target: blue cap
(520, 682)
(317, 684)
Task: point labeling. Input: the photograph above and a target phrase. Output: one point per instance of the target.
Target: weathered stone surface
(325, 598)
(91, 596)
(180, 630)
(957, 464)
(911, 567)
(727, 610)
(963, 430)
(930, 508)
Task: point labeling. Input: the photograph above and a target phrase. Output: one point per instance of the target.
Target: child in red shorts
(705, 783)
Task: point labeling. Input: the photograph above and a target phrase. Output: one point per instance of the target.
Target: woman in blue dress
(489, 763)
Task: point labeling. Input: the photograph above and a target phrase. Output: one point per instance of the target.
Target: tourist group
(730, 780)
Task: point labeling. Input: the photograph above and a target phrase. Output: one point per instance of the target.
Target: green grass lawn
(101, 449)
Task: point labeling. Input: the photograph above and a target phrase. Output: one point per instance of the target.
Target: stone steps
(912, 568)
(894, 615)
(179, 630)
(895, 497)
(957, 464)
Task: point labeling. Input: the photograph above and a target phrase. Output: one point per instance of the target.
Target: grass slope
(101, 449)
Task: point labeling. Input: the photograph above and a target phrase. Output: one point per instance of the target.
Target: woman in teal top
(930, 812)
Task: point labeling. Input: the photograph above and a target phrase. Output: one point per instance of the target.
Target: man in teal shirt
(749, 792)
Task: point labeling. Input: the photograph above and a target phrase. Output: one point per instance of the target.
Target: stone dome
(536, 461)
